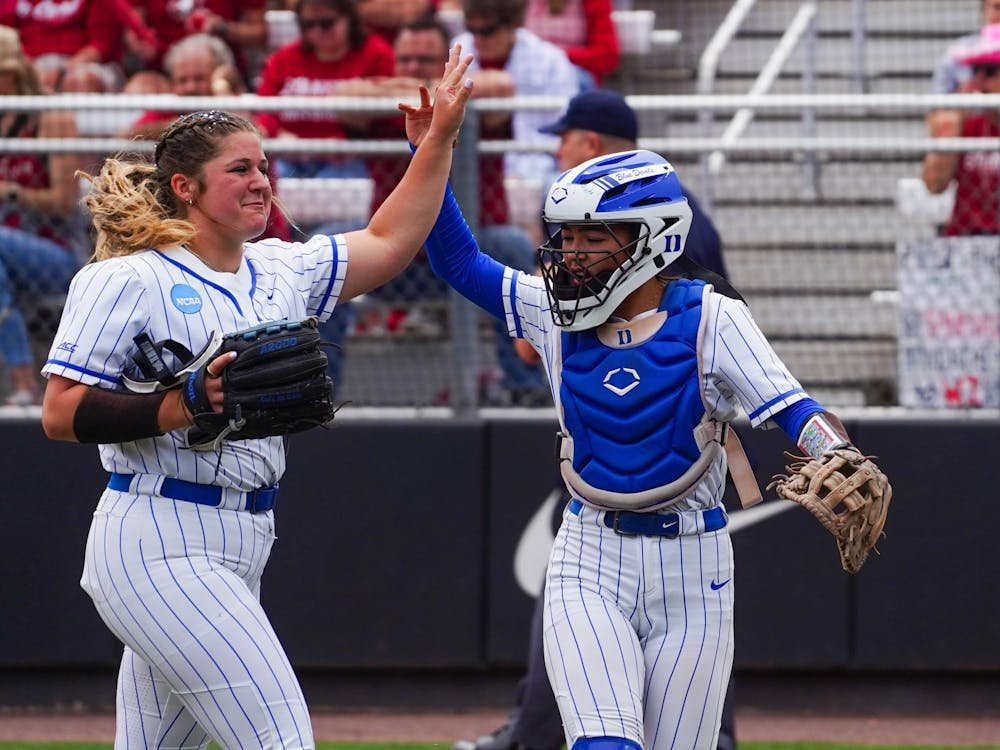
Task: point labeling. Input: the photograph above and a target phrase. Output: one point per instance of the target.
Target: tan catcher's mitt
(847, 493)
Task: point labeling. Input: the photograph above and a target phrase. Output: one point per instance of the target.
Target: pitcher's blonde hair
(131, 202)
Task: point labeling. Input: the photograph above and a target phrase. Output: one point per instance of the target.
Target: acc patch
(185, 299)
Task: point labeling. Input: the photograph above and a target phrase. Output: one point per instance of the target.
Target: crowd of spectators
(220, 47)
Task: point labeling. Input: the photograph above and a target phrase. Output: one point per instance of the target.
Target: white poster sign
(949, 333)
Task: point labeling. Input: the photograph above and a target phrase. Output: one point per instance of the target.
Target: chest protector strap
(709, 435)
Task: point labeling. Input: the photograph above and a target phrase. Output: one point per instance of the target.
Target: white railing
(857, 103)
(765, 79)
(803, 23)
(914, 103)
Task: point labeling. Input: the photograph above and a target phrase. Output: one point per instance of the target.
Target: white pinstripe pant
(639, 633)
(178, 583)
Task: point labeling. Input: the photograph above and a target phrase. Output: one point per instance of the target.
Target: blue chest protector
(637, 435)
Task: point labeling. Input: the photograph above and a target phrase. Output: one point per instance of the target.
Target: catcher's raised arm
(840, 486)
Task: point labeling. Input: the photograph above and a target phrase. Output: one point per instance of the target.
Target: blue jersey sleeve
(792, 418)
(455, 257)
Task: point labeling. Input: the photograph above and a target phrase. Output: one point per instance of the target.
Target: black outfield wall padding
(379, 549)
(49, 494)
(397, 548)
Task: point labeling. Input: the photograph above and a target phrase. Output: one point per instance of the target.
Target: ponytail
(133, 209)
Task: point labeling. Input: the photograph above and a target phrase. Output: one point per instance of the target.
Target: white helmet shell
(631, 187)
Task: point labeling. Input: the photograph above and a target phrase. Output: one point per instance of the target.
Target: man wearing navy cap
(596, 122)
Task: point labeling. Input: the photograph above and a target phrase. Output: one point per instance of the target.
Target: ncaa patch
(185, 299)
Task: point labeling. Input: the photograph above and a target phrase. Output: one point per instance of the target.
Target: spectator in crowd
(495, 34)
(950, 74)
(57, 36)
(976, 173)
(387, 17)
(38, 217)
(421, 50)
(334, 46)
(196, 65)
(240, 24)
(595, 123)
(87, 78)
(584, 29)
(147, 82)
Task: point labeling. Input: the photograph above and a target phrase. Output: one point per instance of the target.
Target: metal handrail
(648, 102)
(708, 64)
(826, 145)
(766, 78)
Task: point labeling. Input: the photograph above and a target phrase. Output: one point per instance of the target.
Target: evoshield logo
(623, 383)
(185, 299)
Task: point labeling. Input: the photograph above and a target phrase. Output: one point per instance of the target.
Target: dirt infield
(446, 727)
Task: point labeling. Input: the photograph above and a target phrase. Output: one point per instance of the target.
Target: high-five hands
(443, 118)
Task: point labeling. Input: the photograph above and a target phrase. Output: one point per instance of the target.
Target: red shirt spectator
(65, 27)
(175, 19)
(978, 180)
(295, 71)
(584, 29)
(387, 171)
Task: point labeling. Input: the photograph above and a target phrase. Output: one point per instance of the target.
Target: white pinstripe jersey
(172, 294)
(739, 368)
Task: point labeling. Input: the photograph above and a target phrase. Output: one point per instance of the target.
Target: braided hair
(132, 204)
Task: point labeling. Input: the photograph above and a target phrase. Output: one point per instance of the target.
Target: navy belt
(257, 501)
(652, 524)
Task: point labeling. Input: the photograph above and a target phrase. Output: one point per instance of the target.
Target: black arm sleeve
(105, 416)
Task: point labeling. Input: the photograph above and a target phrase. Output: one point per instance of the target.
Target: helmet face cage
(638, 188)
(569, 277)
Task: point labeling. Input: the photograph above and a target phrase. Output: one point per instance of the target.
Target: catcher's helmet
(631, 187)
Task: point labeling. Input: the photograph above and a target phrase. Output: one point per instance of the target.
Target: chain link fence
(799, 126)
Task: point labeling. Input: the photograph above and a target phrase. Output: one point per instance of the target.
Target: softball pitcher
(180, 537)
(646, 371)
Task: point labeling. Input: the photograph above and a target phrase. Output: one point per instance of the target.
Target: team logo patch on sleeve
(185, 298)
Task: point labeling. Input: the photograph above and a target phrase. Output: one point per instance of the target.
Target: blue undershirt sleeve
(456, 258)
(792, 418)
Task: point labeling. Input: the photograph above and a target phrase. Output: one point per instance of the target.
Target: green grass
(438, 746)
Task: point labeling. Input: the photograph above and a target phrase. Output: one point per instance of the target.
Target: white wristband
(819, 436)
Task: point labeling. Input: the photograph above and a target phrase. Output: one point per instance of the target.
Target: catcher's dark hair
(691, 269)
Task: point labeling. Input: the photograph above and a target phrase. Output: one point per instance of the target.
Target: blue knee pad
(605, 743)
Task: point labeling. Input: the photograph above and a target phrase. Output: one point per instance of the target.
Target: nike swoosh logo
(716, 586)
(531, 556)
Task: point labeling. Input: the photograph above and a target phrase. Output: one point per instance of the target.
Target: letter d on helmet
(631, 187)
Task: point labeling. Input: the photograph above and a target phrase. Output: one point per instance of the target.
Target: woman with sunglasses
(333, 46)
(976, 173)
(508, 56)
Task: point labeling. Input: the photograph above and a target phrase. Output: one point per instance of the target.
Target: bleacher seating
(811, 240)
